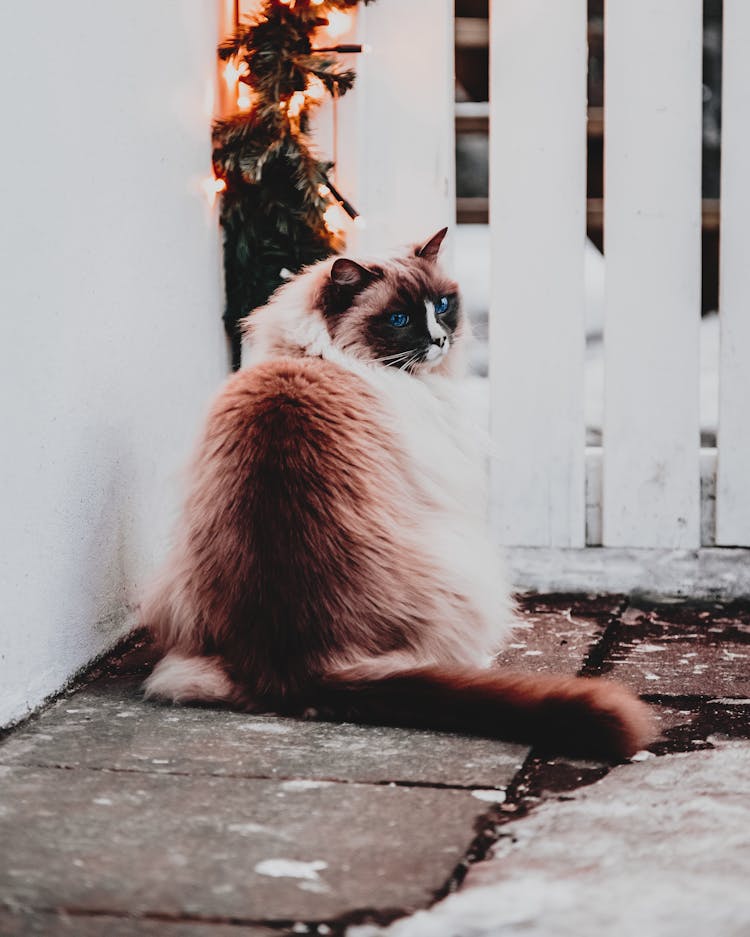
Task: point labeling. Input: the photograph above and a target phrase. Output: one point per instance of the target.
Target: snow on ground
(660, 848)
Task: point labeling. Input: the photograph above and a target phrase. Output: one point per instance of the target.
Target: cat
(333, 558)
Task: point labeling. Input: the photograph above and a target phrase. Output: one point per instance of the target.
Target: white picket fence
(649, 510)
(641, 492)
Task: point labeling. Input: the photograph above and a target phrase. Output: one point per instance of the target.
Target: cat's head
(404, 313)
(400, 313)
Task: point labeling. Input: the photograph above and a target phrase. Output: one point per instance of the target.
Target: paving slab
(109, 725)
(556, 632)
(250, 850)
(661, 848)
(698, 723)
(104, 925)
(683, 651)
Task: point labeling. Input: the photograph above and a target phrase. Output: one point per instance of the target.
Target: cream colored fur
(448, 448)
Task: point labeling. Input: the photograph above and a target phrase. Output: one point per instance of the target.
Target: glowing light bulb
(244, 101)
(213, 186)
(315, 89)
(335, 218)
(296, 103)
(231, 74)
(338, 23)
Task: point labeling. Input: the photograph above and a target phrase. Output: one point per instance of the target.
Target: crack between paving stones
(281, 779)
(336, 926)
(688, 701)
(518, 802)
(600, 649)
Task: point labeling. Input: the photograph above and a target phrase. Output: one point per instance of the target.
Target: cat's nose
(440, 340)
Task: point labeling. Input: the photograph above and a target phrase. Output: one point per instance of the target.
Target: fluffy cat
(333, 555)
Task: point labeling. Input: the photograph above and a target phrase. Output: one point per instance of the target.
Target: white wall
(111, 297)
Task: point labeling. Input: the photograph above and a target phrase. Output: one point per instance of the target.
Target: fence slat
(653, 254)
(537, 212)
(733, 481)
(399, 164)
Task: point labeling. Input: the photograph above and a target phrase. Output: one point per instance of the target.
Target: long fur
(332, 553)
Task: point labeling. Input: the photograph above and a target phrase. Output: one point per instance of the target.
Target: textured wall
(110, 289)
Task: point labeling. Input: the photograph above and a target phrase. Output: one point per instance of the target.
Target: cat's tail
(185, 678)
(574, 715)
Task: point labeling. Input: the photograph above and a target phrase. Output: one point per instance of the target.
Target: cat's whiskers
(414, 359)
(392, 359)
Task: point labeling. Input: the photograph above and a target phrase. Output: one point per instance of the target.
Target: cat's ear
(430, 249)
(349, 275)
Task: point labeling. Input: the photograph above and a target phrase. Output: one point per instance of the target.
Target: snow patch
(269, 728)
(247, 829)
(492, 796)
(643, 756)
(291, 868)
(304, 785)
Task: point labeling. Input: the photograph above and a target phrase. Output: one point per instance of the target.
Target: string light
(296, 103)
(233, 72)
(213, 186)
(344, 204)
(253, 141)
(315, 89)
(335, 218)
(339, 211)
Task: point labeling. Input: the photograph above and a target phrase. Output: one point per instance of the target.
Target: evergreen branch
(336, 79)
(272, 212)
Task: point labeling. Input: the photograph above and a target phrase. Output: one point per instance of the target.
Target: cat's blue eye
(441, 306)
(398, 319)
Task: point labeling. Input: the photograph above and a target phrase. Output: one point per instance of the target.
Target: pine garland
(272, 210)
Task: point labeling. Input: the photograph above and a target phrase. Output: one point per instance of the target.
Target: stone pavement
(119, 817)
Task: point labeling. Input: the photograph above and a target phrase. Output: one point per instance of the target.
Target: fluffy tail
(180, 678)
(574, 715)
